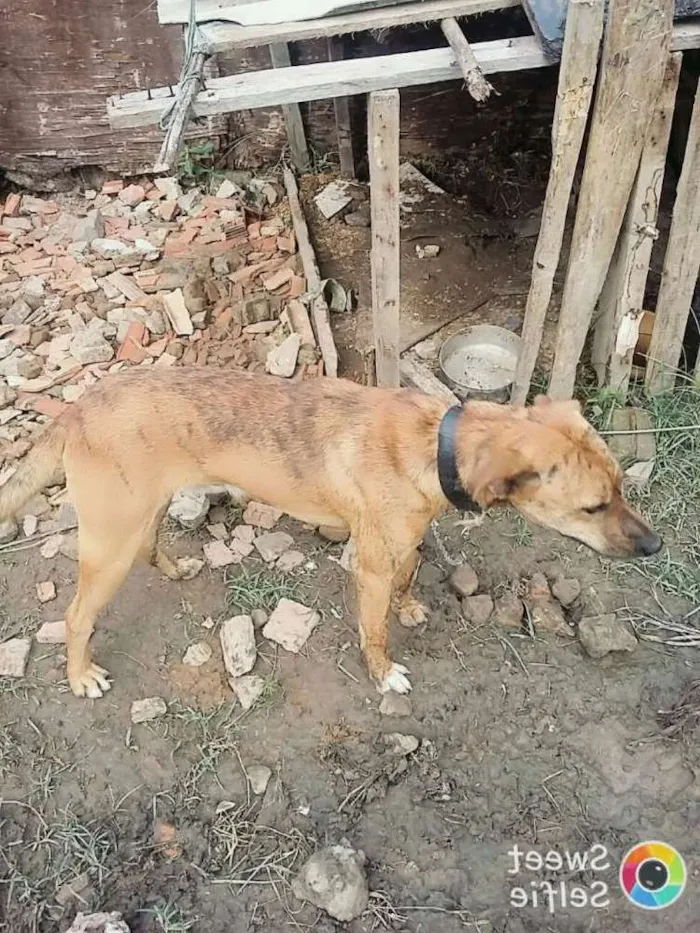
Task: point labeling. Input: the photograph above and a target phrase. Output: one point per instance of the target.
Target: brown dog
(327, 452)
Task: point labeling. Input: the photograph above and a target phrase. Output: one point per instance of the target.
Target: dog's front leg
(409, 611)
(374, 573)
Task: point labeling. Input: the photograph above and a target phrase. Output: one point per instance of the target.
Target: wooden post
(188, 89)
(681, 265)
(477, 85)
(343, 124)
(383, 142)
(579, 63)
(280, 58)
(635, 52)
(620, 307)
(320, 314)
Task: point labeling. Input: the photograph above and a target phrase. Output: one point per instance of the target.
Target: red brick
(113, 187)
(35, 267)
(13, 202)
(132, 348)
(254, 230)
(47, 405)
(287, 244)
(159, 346)
(297, 286)
(6, 247)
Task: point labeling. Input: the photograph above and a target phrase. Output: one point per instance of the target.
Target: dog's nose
(649, 544)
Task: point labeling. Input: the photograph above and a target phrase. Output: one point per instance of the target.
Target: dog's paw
(412, 613)
(92, 683)
(396, 680)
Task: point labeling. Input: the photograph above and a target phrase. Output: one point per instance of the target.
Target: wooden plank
(635, 52)
(324, 80)
(212, 12)
(681, 265)
(417, 376)
(320, 315)
(620, 308)
(584, 29)
(477, 85)
(383, 144)
(296, 137)
(343, 123)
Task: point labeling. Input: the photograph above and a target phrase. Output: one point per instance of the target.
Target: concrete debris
(273, 545)
(282, 360)
(238, 645)
(52, 633)
(401, 744)
(334, 198)
(46, 591)
(189, 508)
(248, 689)
(291, 624)
(14, 655)
(261, 516)
(219, 555)
(334, 880)
(148, 709)
(394, 704)
(290, 560)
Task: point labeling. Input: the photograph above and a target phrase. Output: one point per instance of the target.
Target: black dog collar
(447, 463)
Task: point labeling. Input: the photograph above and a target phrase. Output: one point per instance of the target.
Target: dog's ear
(499, 479)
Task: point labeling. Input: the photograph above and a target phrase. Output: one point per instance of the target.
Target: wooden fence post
(383, 141)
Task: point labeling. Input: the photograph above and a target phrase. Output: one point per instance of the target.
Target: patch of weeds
(169, 918)
(522, 534)
(215, 736)
(260, 590)
(243, 852)
(74, 847)
(672, 499)
(196, 163)
(10, 751)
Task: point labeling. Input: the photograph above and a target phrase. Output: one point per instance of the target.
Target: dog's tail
(41, 465)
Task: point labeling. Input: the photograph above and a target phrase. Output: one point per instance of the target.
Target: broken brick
(132, 347)
(49, 406)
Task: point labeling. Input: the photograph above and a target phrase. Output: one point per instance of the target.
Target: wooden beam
(416, 375)
(579, 64)
(343, 123)
(383, 144)
(324, 80)
(681, 265)
(212, 14)
(635, 52)
(477, 85)
(620, 308)
(296, 137)
(320, 315)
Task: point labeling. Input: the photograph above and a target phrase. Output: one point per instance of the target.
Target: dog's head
(550, 464)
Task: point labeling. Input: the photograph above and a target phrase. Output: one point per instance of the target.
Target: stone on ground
(509, 611)
(290, 625)
(334, 880)
(238, 645)
(248, 689)
(14, 655)
(98, 923)
(273, 544)
(401, 744)
(261, 515)
(282, 360)
(220, 555)
(197, 654)
(258, 777)
(477, 609)
(546, 614)
(464, 581)
(336, 535)
(259, 617)
(290, 561)
(394, 704)
(9, 529)
(148, 709)
(600, 635)
(46, 591)
(52, 633)
(567, 590)
(189, 508)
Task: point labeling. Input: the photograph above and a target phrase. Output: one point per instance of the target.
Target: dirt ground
(523, 738)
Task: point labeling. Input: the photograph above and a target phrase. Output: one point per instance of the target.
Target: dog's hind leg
(171, 567)
(409, 611)
(104, 561)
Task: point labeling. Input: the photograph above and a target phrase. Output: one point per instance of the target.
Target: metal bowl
(480, 363)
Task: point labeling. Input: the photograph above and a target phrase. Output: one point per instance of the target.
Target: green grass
(671, 501)
(169, 918)
(259, 590)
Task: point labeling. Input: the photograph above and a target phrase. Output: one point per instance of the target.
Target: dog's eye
(594, 509)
